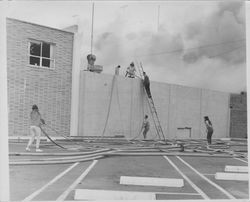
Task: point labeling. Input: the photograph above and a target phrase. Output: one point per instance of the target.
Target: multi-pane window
(41, 54)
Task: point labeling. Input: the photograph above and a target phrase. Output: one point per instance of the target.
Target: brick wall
(238, 115)
(49, 89)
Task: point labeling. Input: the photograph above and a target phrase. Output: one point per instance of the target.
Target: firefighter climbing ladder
(153, 111)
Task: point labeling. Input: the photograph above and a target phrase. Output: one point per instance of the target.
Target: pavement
(59, 181)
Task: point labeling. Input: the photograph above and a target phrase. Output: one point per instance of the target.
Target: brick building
(39, 71)
(238, 115)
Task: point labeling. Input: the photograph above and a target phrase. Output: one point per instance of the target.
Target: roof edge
(31, 23)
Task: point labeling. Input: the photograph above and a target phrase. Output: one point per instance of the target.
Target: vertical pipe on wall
(75, 85)
(200, 111)
(247, 11)
(4, 146)
(228, 118)
(131, 107)
(81, 105)
(169, 107)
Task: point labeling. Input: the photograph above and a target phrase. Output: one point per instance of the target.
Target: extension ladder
(153, 111)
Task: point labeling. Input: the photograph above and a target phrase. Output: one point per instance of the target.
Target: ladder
(153, 110)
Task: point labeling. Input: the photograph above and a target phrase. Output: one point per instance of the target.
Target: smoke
(222, 66)
(220, 61)
(207, 53)
(225, 27)
(108, 45)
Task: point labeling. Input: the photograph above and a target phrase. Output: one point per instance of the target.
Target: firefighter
(209, 128)
(117, 70)
(145, 126)
(35, 130)
(130, 71)
(146, 84)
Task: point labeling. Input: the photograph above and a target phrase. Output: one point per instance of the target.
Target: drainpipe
(76, 63)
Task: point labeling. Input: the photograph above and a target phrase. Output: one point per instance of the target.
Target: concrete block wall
(180, 109)
(121, 111)
(49, 89)
(238, 114)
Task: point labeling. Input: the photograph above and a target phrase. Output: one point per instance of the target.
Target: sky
(193, 43)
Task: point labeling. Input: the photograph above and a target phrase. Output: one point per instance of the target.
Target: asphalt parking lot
(60, 181)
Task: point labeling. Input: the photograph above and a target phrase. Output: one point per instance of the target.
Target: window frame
(52, 59)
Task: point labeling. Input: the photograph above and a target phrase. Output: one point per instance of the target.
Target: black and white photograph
(124, 100)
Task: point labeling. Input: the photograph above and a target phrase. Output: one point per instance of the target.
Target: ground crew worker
(145, 126)
(130, 71)
(209, 128)
(35, 130)
(146, 84)
(117, 70)
(91, 62)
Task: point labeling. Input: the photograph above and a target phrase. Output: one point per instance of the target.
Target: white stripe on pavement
(151, 181)
(33, 195)
(208, 180)
(241, 160)
(97, 194)
(187, 179)
(76, 182)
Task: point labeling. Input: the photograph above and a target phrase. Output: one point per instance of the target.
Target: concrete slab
(151, 181)
(231, 176)
(87, 194)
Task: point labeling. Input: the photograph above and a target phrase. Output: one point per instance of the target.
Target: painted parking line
(208, 180)
(34, 194)
(187, 179)
(76, 182)
(241, 160)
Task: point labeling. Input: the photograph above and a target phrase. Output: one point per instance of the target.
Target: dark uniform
(210, 131)
(146, 83)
